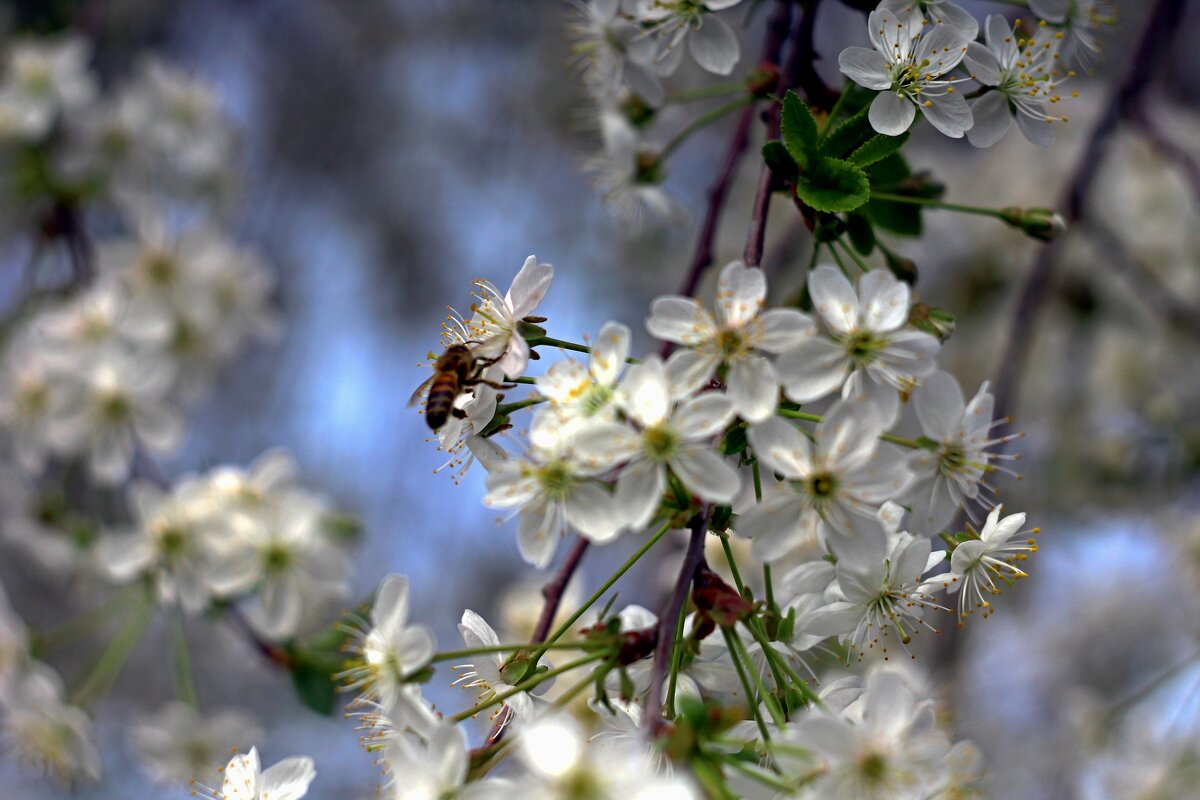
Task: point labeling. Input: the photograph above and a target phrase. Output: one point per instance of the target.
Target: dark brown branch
(1161, 24)
(1167, 147)
(668, 618)
(801, 71)
(555, 587)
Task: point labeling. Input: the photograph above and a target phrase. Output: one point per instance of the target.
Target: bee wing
(421, 390)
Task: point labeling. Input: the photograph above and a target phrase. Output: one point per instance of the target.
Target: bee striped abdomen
(440, 402)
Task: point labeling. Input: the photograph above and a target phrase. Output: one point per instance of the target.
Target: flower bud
(637, 111)
(932, 320)
(1042, 224)
(763, 80)
(903, 268)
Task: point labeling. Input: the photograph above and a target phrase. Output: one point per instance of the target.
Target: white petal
(741, 292)
(960, 20)
(866, 67)
(592, 511)
(781, 448)
(516, 357)
(943, 47)
(289, 779)
(475, 631)
(645, 392)
(992, 120)
(848, 435)
(939, 406)
(753, 388)
(160, 428)
(706, 474)
(538, 532)
(688, 370)
(528, 288)
(639, 492)
(949, 113)
(834, 298)
(679, 319)
(1037, 130)
(780, 329)
(703, 416)
(391, 603)
(714, 46)
(883, 301)
(1000, 40)
(982, 64)
(815, 369)
(601, 445)
(609, 352)
(891, 114)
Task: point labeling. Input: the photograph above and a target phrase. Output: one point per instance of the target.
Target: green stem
(112, 660)
(185, 681)
(508, 408)
(887, 437)
(756, 774)
(841, 264)
(448, 655)
(767, 698)
(853, 255)
(751, 701)
(676, 661)
(770, 589)
(932, 202)
(550, 341)
(703, 121)
(573, 692)
(812, 261)
(86, 623)
(528, 381)
(711, 779)
(526, 685)
(579, 612)
(733, 567)
(757, 473)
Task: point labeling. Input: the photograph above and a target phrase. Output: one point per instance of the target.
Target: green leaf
(779, 161)
(799, 129)
(833, 186)
(903, 219)
(848, 136)
(877, 149)
(314, 685)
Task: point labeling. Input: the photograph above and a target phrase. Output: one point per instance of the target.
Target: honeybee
(455, 371)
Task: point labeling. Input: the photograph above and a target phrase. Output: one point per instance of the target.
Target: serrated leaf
(848, 136)
(877, 148)
(779, 161)
(833, 186)
(799, 129)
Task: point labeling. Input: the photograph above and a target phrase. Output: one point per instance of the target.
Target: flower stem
(84, 624)
(526, 685)
(676, 661)
(887, 437)
(181, 662)
(932, 202)
(579, 612)
(703, 121)
(756, 774)
(853, 255)
(113, 659)
(751, 701)
(550, 341)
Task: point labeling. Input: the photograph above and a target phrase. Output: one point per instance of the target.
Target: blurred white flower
(38, 727)
(1078, 23)
(612, 52)
(916, 13)
(177, 743)
(14, 643)
(43, 80)
(31, 395)
(628, 174)
(391, 650)
(577, 392)
(711, 42)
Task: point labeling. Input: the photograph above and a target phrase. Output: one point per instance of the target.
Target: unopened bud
(637, 111)
(932, 320)
(1043, 224)
(649, 168)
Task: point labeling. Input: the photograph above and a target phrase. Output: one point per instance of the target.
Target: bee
(455, 371)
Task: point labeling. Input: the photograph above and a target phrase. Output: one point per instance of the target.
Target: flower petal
(815, 369)
(741, 292)
(714, 46)
(891, 114)
(753, 388)
(834, 298)
(680, 319)
(866, 67)
(706, 474)
(609, 352)
(702, 417)
(528, 288)
(781, 448)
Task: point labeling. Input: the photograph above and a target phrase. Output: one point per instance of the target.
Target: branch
(668, 618)
(1161, 24)
(777, 32)
(1167, 147)
(555, 587)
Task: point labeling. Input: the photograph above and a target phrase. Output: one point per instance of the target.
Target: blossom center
(555, 479)
(660, 442)
(595, 398)
(863, 347)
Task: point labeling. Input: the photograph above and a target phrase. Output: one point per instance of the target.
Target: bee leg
(495, 385)
(458, 413)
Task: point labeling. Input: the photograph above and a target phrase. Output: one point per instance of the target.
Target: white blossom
(628, 174)
(490, 676)
(392, 649)
(38, 727)
(246, 780)
(577, 392)
(43, 80)
(916, 13)
(1023, 80)
(1078, 23)
(710, 41)
(836, 486)
(738, 339)
(672, 433)
(613, 53)
(988, 563)
(909, 69)
(870, 351)
(493, 331)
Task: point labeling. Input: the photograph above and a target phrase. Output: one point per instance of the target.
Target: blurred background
(393, 151)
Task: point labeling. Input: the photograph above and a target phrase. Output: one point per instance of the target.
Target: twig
(1161, 24)
(1145, 284)
(802, 71)
(269, 650)
(777, 31)
(668, 617)
(555, 588)
(1167, 147)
